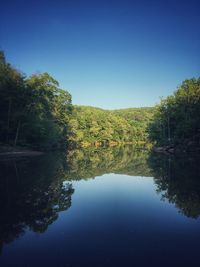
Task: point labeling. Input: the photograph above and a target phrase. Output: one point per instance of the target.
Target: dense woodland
(176, 121)
(89, 125)
(35, 112)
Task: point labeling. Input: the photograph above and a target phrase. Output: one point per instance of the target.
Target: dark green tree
(177, 118)
(34, 111)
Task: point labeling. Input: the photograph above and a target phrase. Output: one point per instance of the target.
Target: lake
(119, 206)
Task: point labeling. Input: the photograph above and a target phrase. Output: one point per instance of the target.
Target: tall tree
(177, 119)
(12, 100)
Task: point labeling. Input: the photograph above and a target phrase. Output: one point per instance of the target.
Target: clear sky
(108, 53)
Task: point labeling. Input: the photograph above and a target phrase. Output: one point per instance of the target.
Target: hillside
(90, 125)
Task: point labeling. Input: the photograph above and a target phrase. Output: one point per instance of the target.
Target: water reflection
(32, 194)
(89, 163)
(177, 177)
(33, 191)
(178, 180)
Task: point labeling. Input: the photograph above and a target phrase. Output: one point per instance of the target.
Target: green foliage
(49, 112)
(139, 120)
(33, 110)
(89, 125)
(37, 112)
(177, 118)
(12, 100)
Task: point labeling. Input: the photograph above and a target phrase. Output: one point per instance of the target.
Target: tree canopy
(89, 125)
(34, 110)
(177, 117)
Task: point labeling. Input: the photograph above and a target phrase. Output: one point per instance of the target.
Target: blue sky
(110, 54)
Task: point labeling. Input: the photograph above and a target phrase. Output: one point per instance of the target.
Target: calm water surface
(100, 207)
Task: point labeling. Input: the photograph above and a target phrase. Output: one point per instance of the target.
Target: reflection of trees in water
(32, 193)
(92, 162)
(178, 180)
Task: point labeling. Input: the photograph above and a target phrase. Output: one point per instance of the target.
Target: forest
(89, 125)
(176, 121)
(38, 114)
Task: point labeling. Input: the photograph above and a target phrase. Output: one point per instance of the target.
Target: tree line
(36, 112)
(89, 125)
(176, 121)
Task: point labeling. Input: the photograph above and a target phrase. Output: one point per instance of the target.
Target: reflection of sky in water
(114, 220)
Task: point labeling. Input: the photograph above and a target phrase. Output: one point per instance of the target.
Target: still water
(100, 207)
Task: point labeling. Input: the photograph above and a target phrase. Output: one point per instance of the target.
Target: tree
(177, 118)
(34, 111)
(12, 101)
(50, 110)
